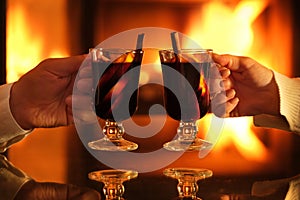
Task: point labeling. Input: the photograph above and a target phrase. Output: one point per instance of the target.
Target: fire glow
(30, 40)
(236, 38)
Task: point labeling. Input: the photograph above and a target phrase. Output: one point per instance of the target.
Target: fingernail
(235, 100)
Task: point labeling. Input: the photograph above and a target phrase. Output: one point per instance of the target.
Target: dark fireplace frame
(3, 42)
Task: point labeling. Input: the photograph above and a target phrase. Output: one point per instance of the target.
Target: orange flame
(36, 30)
(27, 43)
(233, 34)
(20, 47)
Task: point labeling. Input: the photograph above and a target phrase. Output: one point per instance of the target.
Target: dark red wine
(125, 88)
(186, 96)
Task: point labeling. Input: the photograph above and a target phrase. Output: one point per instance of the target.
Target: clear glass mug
(186, 94)
(116, 74)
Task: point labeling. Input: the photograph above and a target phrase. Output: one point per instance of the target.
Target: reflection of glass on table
(113, 181)
(116, 74)
(187, 180)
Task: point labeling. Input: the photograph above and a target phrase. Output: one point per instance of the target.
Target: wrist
(26, 190)
(18, 109)
(269, 102)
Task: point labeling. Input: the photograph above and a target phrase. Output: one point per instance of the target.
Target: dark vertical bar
(3, 42)
(3, 45)
(296, 73)
(88, 27)
(296, 37)
(80, 14)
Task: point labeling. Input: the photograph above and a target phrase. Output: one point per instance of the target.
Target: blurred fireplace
(90, 22)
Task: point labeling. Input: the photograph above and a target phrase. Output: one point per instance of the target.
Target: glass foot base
(197, 173)
(113, 145)
(113, 181)
(187, 181)
(187, 198)
(187, 145)
(113, 174)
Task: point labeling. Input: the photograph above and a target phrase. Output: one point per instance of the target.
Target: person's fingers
(68, 101)
(80, 108)
(84, 116)
(70, 119)
(228, 109)
(227, 84)
(215, 80)
(224, 72)
(219, 110)
(218, 104)
(222, 60)
(84, 85)
(224, 103)
(62, 67)
(223, 97)
(230, 94)
(85, 72)
(80, 102)
(228, 61)
(231, 107)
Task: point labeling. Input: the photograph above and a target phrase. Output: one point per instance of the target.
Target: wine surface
(114, 88)
(188, 97)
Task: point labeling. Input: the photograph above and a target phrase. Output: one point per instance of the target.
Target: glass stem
(113, 190)
(187, 131)
(187, 187)
(113, 130)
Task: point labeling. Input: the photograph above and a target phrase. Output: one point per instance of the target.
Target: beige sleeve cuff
(10, 131)
(294, 190)
(289, 92)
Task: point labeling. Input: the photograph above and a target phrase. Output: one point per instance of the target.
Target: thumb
(228, 61)
(62, 67)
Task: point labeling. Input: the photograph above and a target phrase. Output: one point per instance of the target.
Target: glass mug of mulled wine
(116, 74)
(186, 76)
